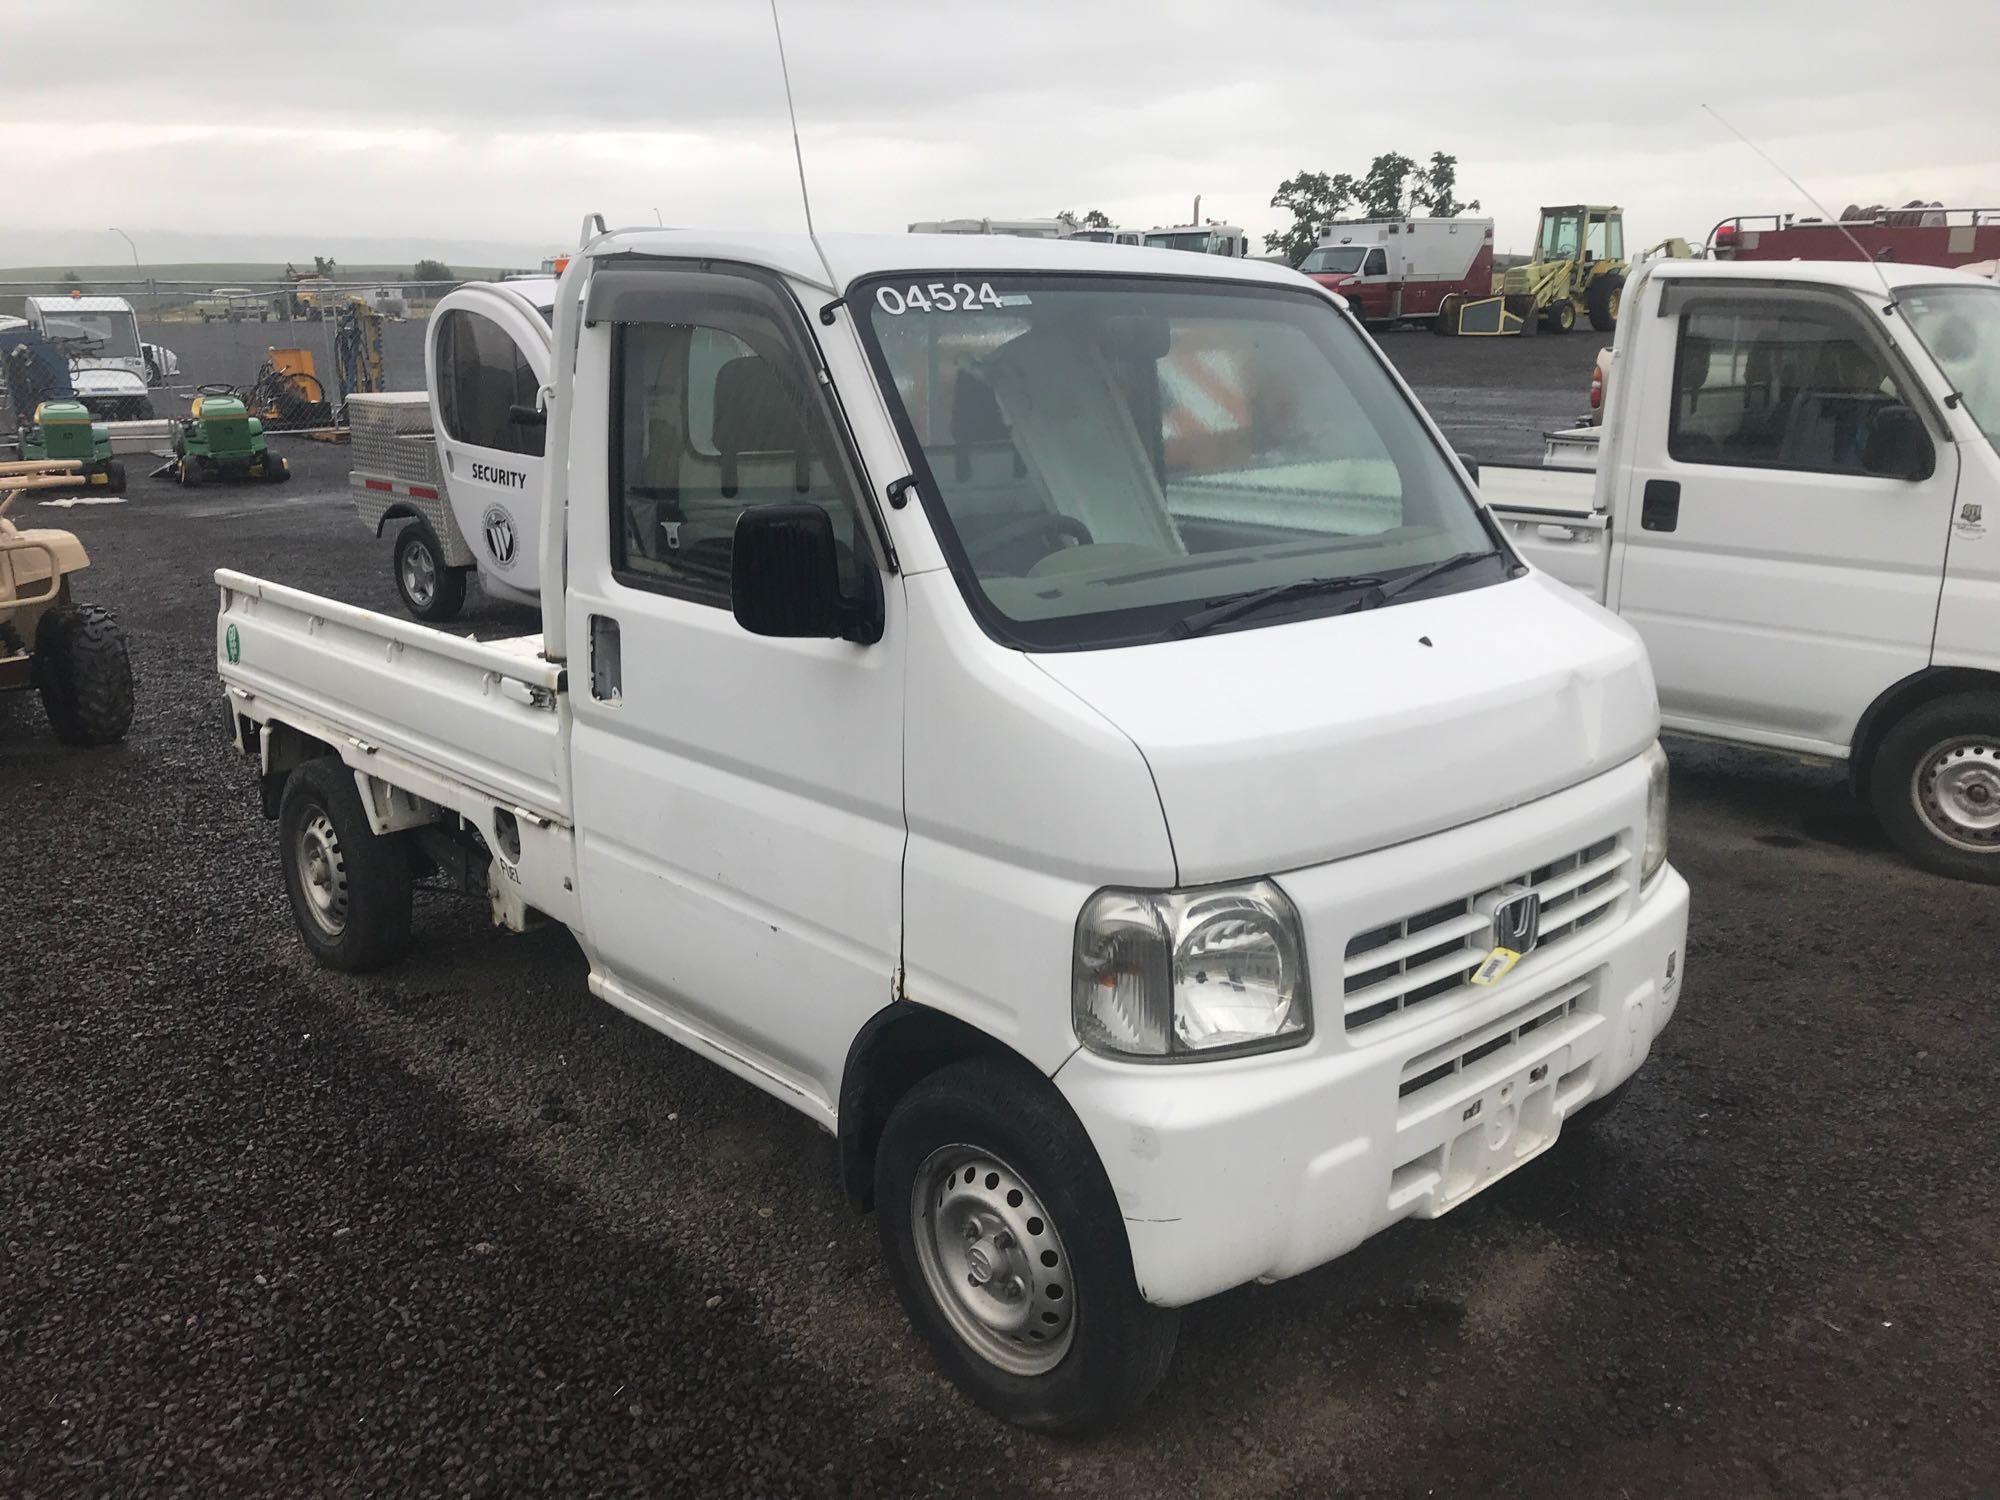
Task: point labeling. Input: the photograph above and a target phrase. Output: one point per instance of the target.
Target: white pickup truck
(1797, 505)
(459, 463)
(1056, 715)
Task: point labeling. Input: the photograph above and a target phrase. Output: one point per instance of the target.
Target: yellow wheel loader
(72, 654)
(1578, 272)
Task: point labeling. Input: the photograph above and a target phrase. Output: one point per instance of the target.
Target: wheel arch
(1899, 699)
(283, 748)
(397, 512)
(896, 1049)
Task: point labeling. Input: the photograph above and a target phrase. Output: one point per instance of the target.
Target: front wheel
(350, 886)
(84, 675)
(1935, 786)
(1004, 1242)
(431, 590)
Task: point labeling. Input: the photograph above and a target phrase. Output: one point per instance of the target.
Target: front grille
(1498, 1040)
(1427, 956)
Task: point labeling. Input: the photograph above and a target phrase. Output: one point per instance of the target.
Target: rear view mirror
(784, 578)
(1898, 447)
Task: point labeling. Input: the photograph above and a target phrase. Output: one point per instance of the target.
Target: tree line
(1394, 186)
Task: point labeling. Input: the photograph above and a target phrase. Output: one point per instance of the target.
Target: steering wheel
(1042, 523)
(215, 388)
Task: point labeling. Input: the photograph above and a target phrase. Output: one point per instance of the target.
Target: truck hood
(1283, 746)
(1333, 281)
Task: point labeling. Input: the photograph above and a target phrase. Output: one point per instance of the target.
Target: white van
(1056, 715)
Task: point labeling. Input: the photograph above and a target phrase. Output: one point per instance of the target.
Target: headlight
(1656, 812)
(1184, 974)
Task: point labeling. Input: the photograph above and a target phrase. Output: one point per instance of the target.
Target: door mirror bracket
(784, 578)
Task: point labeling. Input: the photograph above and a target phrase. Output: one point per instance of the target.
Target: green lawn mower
(64, 429)
(220, 440)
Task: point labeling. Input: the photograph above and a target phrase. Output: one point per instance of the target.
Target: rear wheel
(188, 472)
(1005, 1244)
(274, 469)
(430, 589)
(1603, 301)
(350, 887)
(114, 476)
(1445, 324)
(84, 675)
(1935, 786)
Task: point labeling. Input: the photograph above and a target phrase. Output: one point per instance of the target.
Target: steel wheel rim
(993, 1260)
(419, 574)
(1956, 790)
(1614, 302)
(323, 875)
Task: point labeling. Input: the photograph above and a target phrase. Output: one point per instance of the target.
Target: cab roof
(854, 257)
(1859, 275)
(80, 304)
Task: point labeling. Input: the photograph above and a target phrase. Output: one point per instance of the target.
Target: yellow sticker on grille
(1494, 966)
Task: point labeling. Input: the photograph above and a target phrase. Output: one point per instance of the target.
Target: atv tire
(84, 675)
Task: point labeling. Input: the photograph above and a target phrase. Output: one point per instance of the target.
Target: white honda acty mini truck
(1055, 714)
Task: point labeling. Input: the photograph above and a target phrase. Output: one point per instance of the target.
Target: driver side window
(1377, 264)
(709, 422)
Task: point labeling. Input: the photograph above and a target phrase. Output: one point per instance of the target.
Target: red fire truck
(1924, 234)
(1393, 270)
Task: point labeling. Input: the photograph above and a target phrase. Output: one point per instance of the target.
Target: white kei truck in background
(1796, 504)
(1056, 715)
(459, 463)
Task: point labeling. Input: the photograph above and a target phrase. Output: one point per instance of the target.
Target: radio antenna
(798, 154)
(1860, 250)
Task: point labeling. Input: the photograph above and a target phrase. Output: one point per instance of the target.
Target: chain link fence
(294, 349)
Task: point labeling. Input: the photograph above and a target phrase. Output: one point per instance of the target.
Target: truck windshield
(106, 335)
(1960, 325)
(1339, 260)
(1108, 457)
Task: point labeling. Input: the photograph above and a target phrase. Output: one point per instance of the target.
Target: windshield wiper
(1247, 604)
(1382, 593)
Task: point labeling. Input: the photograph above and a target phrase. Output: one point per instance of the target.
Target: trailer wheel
(1006, 1247)
(350, 887)
(1603, 301)
(84, 675)
(431, 590)
(1935, 786)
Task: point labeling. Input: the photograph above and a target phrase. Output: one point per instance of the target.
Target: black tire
(84, 675)
(189, 473)
(114, 476)
(1560, 316)
(430, 589)
(1935, 786)
(273, 467)
(350, 887)
(1604, 301)
(1118, 1345)
(1445, 324)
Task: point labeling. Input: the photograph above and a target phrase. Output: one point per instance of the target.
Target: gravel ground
(459, 1229)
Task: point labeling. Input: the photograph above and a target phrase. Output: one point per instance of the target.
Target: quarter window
(482, 377)
(1780, 384)
(709, 423)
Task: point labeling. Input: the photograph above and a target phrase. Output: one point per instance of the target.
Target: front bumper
(1258, 1169)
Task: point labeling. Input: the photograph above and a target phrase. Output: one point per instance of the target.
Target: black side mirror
(1471, 467)
(527, 416)
(1898, 447)
(784, 578)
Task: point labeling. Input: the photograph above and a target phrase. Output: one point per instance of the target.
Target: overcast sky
(446, 123)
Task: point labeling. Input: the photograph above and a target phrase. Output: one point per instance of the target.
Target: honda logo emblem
(1517, 922)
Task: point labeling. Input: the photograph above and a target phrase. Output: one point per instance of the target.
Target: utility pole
(135, 252)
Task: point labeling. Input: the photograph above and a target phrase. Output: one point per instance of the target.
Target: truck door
(1779, 550)
(738, 798)
(485, 366)
(1373, 290)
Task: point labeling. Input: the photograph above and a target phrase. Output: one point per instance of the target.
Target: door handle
(1550, 533)
(607, 674)
(1660, 507)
